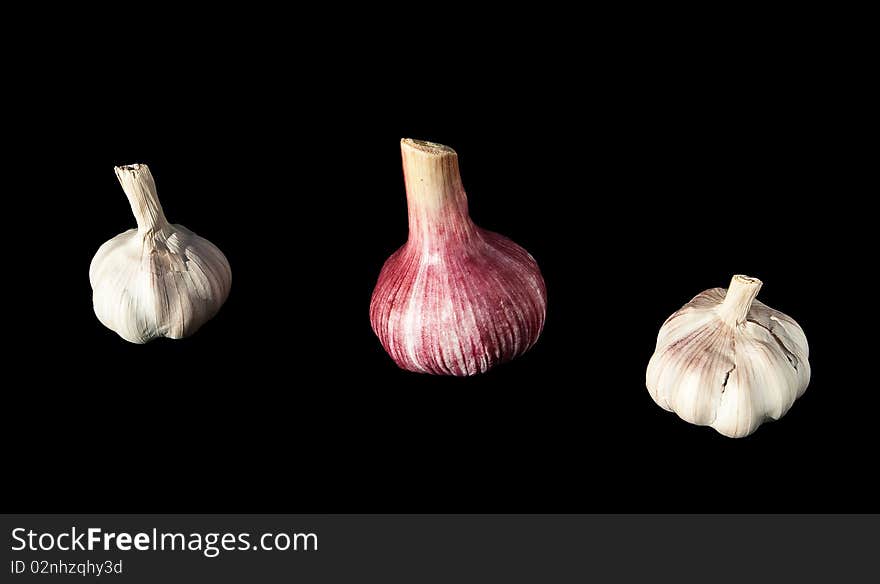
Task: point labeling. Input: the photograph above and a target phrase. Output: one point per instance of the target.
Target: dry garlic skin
(159, 280)
(455, 299)
(728, 361)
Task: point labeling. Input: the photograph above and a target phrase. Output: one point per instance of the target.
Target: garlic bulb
(159, 280)
(728, 361)
(455, 299)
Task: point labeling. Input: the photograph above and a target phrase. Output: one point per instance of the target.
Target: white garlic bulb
(161, 279)
(728, 361)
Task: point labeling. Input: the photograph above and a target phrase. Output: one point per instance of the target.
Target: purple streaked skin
(455, 299)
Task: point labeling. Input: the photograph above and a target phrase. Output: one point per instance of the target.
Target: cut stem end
(423, 146)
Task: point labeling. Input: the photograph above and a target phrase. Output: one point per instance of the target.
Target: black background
(637, 169)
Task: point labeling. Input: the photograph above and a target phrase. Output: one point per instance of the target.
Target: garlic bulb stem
(140, 189)
(436, 201)
(740, 295)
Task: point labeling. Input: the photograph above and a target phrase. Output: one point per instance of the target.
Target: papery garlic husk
(161, 279)
(456, 299)
(728, 361)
